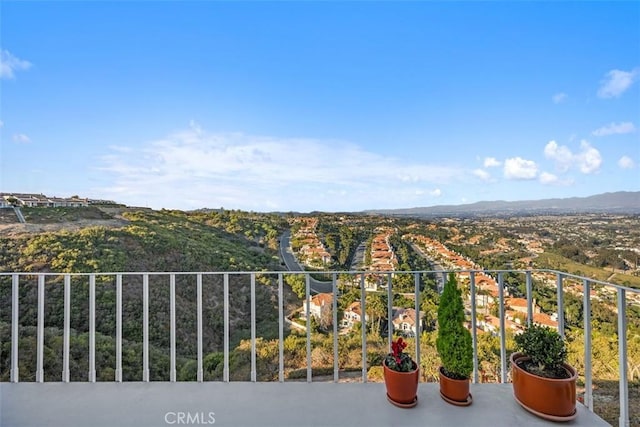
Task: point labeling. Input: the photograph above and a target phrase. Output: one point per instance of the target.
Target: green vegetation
(454, 339)
(561, 263)
(60, 215)
(342, 239)
(546, 348)
(408, 260)
(141, 240)
(150, 241)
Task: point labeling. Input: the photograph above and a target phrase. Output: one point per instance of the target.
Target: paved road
(358, 258)
(440, 277)
(291, 263)
(317, 286)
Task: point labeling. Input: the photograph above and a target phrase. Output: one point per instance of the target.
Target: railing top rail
(591, 280)
(349, 272)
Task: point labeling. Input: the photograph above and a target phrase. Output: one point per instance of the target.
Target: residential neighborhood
(40, 200)
(380, 256)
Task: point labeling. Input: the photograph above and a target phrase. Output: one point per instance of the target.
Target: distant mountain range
(621, 202)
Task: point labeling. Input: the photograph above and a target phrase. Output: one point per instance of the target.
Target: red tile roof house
(546, 320)
(352, 315)
(491, 324)
(404, 321)
(517, 304)
(320, 307)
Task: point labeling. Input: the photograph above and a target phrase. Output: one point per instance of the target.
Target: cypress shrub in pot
(454, 345)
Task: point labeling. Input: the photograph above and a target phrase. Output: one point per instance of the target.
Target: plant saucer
(547, 416)
(403, 405)
(467, 402)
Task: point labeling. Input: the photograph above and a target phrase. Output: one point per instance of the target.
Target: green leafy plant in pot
(543, 382)
(454, 345)
(401, 375)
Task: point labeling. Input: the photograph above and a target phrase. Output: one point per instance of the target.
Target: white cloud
(519, 168)
(559, 97)
(482, 174)
(616, 82)
(491, 162)
(615, 128)
(193, 169)
(21, 138)
(9, 64)
(626, 162)
(589, 159)
(560, 154)
(548, 178)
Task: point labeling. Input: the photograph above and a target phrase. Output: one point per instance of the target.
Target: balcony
(57, 398)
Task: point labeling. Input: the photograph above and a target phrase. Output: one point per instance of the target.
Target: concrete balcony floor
(256, 404)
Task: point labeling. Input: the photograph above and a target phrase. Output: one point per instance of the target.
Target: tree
(376, 306)
(298, 284)
(454, 340)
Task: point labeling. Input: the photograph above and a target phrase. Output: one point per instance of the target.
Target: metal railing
(277, 278)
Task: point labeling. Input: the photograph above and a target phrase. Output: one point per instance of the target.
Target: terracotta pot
(402, 387)
(453, 390)
(548, 398)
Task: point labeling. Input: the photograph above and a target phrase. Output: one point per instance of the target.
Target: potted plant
(454, 346)
(543, 382)
(401, 375)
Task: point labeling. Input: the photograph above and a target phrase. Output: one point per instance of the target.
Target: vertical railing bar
(280, 328)
(254, 372)
(145, 327)
(529, 284)
(66, 328)
(588, 382)
(172, 326)
(40, 351)
(389, 312)
(199, 326)
(416, 282)
(225, 371)
(119, 328)
(474, 331)
(334, 311)
(308, 317)
(560, 305)
(363, 323)
(622, 358)
(503, 345)
(92, 327)
(15, 332)
(444, 279)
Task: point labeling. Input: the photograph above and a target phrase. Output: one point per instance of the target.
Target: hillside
(622, 202)
(137, 241)
(68, 240)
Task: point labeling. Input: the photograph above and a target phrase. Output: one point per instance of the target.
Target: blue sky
(331, 106)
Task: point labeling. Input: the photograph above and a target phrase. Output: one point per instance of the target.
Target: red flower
(397, 347)
(398, 360)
